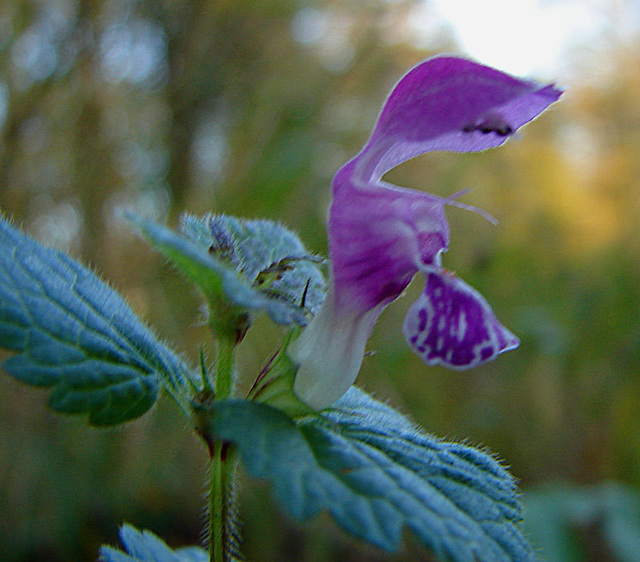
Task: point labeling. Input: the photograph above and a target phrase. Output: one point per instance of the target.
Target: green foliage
(75, 334)
(80, 137)
(374, 473)
(568, 521)
(144, 546)
(266, 254)
(241, 266)
(361, 461)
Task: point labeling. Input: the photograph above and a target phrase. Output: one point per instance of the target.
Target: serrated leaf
(374, 473)
(225, 261)
(76, 334)
(270, 257)
(144, 546)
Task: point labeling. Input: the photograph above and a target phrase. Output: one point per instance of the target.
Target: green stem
(222, 466)
(225, 367)
(220, 503)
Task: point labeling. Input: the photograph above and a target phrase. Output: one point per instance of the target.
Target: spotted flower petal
(453, 325)
(381, 235)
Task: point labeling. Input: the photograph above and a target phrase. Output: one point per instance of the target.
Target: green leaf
(249, 265)
(374, 473)
(557, 512)
(552, 516)
(267, 254)
(77, 335)
(146, 547)
(622, 519)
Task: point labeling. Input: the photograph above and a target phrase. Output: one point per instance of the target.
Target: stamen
(452, 201)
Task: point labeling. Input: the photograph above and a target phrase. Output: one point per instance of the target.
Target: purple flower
(381, 235)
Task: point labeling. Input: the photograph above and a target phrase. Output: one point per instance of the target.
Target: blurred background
(249, 107)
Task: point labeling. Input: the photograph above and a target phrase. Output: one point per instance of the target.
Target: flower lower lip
(451, 324)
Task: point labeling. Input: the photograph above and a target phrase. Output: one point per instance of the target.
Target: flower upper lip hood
(381, 235)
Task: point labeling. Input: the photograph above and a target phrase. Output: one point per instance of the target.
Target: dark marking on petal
(486, 353)
(422, 317)
(451, 324)
(490, 123)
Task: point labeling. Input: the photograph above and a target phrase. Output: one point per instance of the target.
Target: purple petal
(452, 324)
(449, 103)
(381, 235)
(379, 238)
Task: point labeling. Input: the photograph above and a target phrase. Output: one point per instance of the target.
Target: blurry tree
(156, 106)
(249, 107)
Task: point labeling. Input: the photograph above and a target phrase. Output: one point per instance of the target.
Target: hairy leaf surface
(75, 334)
(251, 265)
(374, 472)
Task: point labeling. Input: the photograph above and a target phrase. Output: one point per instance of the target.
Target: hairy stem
(222, 539)
(221, 509)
